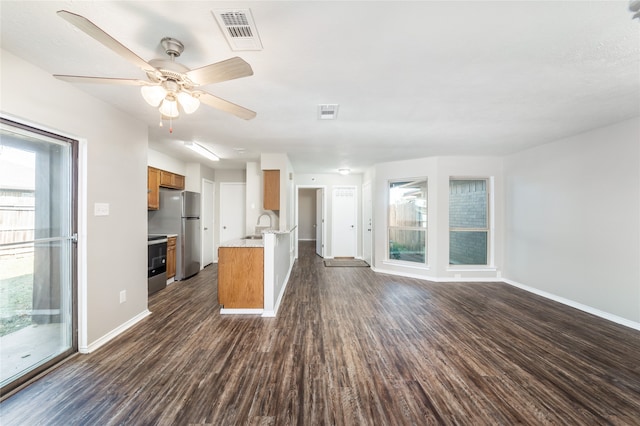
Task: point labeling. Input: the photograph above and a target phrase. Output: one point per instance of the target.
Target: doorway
(38, 232)
(310, 216)
(208, 197)
(232, 211)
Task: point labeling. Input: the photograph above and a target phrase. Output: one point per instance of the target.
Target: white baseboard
(437, 279)
(114, 333)
(240, 311)
(577, 305)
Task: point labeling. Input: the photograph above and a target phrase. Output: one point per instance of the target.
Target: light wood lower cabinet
(171, 257)
(241, 277)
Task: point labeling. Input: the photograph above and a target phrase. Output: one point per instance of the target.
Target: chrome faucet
(260, 217)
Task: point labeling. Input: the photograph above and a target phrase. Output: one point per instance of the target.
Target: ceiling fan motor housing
(172, 47)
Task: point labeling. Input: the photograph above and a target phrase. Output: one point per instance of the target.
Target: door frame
(78, 251)
(367, 206)
(324, 214)
(213, 221)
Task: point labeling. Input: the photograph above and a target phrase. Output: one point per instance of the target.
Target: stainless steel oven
(157, 262)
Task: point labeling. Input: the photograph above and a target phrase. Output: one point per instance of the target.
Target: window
(468, 221)
(408, 220)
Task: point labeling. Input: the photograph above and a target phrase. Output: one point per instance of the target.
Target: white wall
(573, 219)
(162, 161)
(116, 160)
(437, 170)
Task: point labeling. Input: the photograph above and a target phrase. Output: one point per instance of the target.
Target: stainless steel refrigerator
(179, 214)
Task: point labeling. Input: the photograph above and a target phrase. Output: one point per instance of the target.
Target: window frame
(488, 229)
(424, 229)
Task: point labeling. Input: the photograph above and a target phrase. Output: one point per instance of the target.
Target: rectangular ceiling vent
(238, 28)
(327, 111)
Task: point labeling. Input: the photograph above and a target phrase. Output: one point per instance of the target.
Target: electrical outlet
(123, 296)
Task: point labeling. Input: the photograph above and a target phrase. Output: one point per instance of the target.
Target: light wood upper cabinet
(271, 189)
(157, 178)
(153, 188)
(171, 180)
(171, 257)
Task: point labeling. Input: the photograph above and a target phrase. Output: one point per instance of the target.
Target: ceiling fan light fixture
(169, 108)
(196, 147)
(153, 95)
(188, 102)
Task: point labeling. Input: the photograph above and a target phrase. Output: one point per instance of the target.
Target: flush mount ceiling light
(344, 172)
(196, 147)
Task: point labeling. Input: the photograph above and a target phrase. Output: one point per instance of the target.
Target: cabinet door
(271, 189)
(241, 277)
(171, 180)
(178, 181)
(153, 188)
(171, 257)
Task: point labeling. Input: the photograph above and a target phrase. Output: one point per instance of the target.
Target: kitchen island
(253, 273)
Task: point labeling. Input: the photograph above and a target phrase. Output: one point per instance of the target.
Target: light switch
(101, 209)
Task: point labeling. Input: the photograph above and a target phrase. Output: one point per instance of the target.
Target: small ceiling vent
(238, 28)
(327, 111)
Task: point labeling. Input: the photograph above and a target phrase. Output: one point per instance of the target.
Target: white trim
(83, 315)
(240, 311)
(114, 333)
(406, 264)
(472, 268)
(577, 305)
(437, 279)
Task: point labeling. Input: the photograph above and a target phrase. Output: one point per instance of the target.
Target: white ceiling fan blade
(220, 71)
(94, 31)
(226, 106)
(101, 80)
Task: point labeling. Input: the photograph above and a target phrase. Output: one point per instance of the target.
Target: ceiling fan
(171, 86)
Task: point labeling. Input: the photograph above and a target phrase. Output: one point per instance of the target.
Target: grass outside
(16, 293)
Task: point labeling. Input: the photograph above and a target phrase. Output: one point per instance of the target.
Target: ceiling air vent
(327, 111)
(238, 28)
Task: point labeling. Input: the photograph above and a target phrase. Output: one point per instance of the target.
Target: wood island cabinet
(241, 277)
(171, 257)
(153, 188)
(271, 189)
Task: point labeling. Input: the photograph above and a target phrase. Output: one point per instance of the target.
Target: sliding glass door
(37, 251)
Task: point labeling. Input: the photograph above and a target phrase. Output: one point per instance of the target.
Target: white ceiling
(413, 79)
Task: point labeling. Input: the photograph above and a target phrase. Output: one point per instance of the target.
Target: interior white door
(320, 222)
(232, 211)
(343, 221)
(207, 222)
(367, 222)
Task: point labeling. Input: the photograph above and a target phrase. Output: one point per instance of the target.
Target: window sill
(411, 265)
(472, 268)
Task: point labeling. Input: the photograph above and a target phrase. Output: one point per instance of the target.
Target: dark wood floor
(349, 347)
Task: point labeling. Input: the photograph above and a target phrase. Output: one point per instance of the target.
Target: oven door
(157, 265)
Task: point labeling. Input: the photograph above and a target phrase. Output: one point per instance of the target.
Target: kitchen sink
(253, 237)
